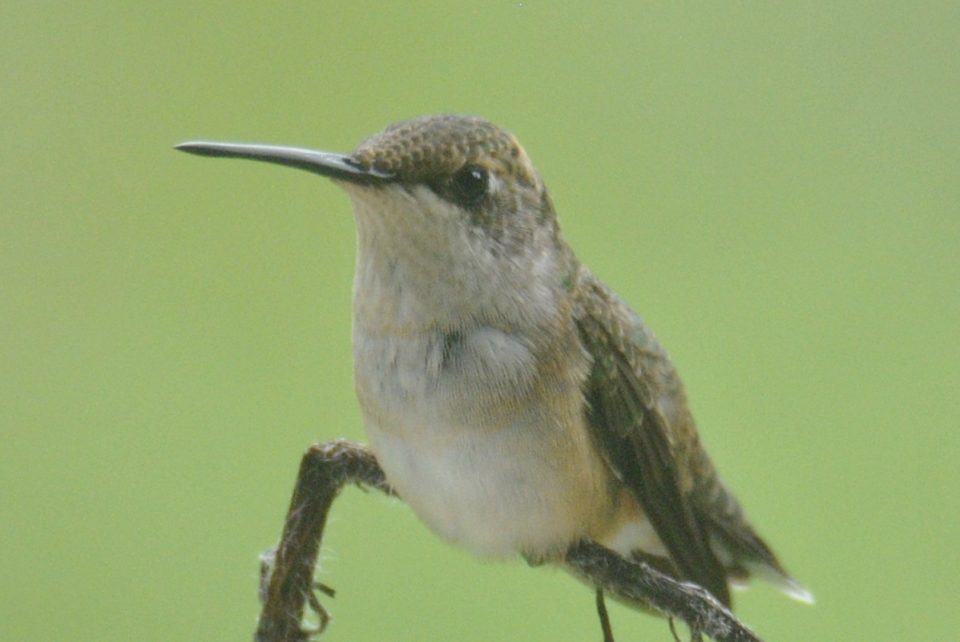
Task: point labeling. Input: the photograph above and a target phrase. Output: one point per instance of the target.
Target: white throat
(421, 265)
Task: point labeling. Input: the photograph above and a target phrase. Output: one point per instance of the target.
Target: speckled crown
(430, 147)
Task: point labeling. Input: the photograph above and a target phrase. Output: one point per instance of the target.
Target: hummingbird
(509, 397)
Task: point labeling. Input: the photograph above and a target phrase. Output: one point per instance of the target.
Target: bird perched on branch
(511, 399)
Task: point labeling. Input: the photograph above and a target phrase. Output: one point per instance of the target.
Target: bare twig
(287, 586)
(641, 584)
(604, 617)
(286, 578)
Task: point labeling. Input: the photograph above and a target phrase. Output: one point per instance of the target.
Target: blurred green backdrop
(775, 189)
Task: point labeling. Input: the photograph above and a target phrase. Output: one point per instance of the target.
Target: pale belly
(496, 494)
(469, 436)
(486, 455)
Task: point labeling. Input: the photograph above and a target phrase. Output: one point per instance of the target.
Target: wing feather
(632, 394)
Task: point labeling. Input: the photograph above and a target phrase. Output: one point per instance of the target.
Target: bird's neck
(405, 284)
(418, 272)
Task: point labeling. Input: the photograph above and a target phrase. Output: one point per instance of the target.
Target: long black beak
(327, 164)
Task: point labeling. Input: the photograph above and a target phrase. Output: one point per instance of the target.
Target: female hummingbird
(509, 397)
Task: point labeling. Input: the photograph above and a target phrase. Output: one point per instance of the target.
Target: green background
(775, 189)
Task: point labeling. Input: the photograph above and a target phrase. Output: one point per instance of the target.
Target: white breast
(464, 443)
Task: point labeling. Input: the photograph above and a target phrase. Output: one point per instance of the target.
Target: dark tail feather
(738, 546)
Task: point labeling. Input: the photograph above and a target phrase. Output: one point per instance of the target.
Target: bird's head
(451, 206)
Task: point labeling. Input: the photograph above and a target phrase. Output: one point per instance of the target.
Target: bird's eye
(469, 185)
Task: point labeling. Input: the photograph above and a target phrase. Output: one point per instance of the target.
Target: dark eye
(469, 185)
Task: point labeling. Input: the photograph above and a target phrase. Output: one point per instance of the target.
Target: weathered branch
(641, 584)
(286, 579)
(287, 586)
